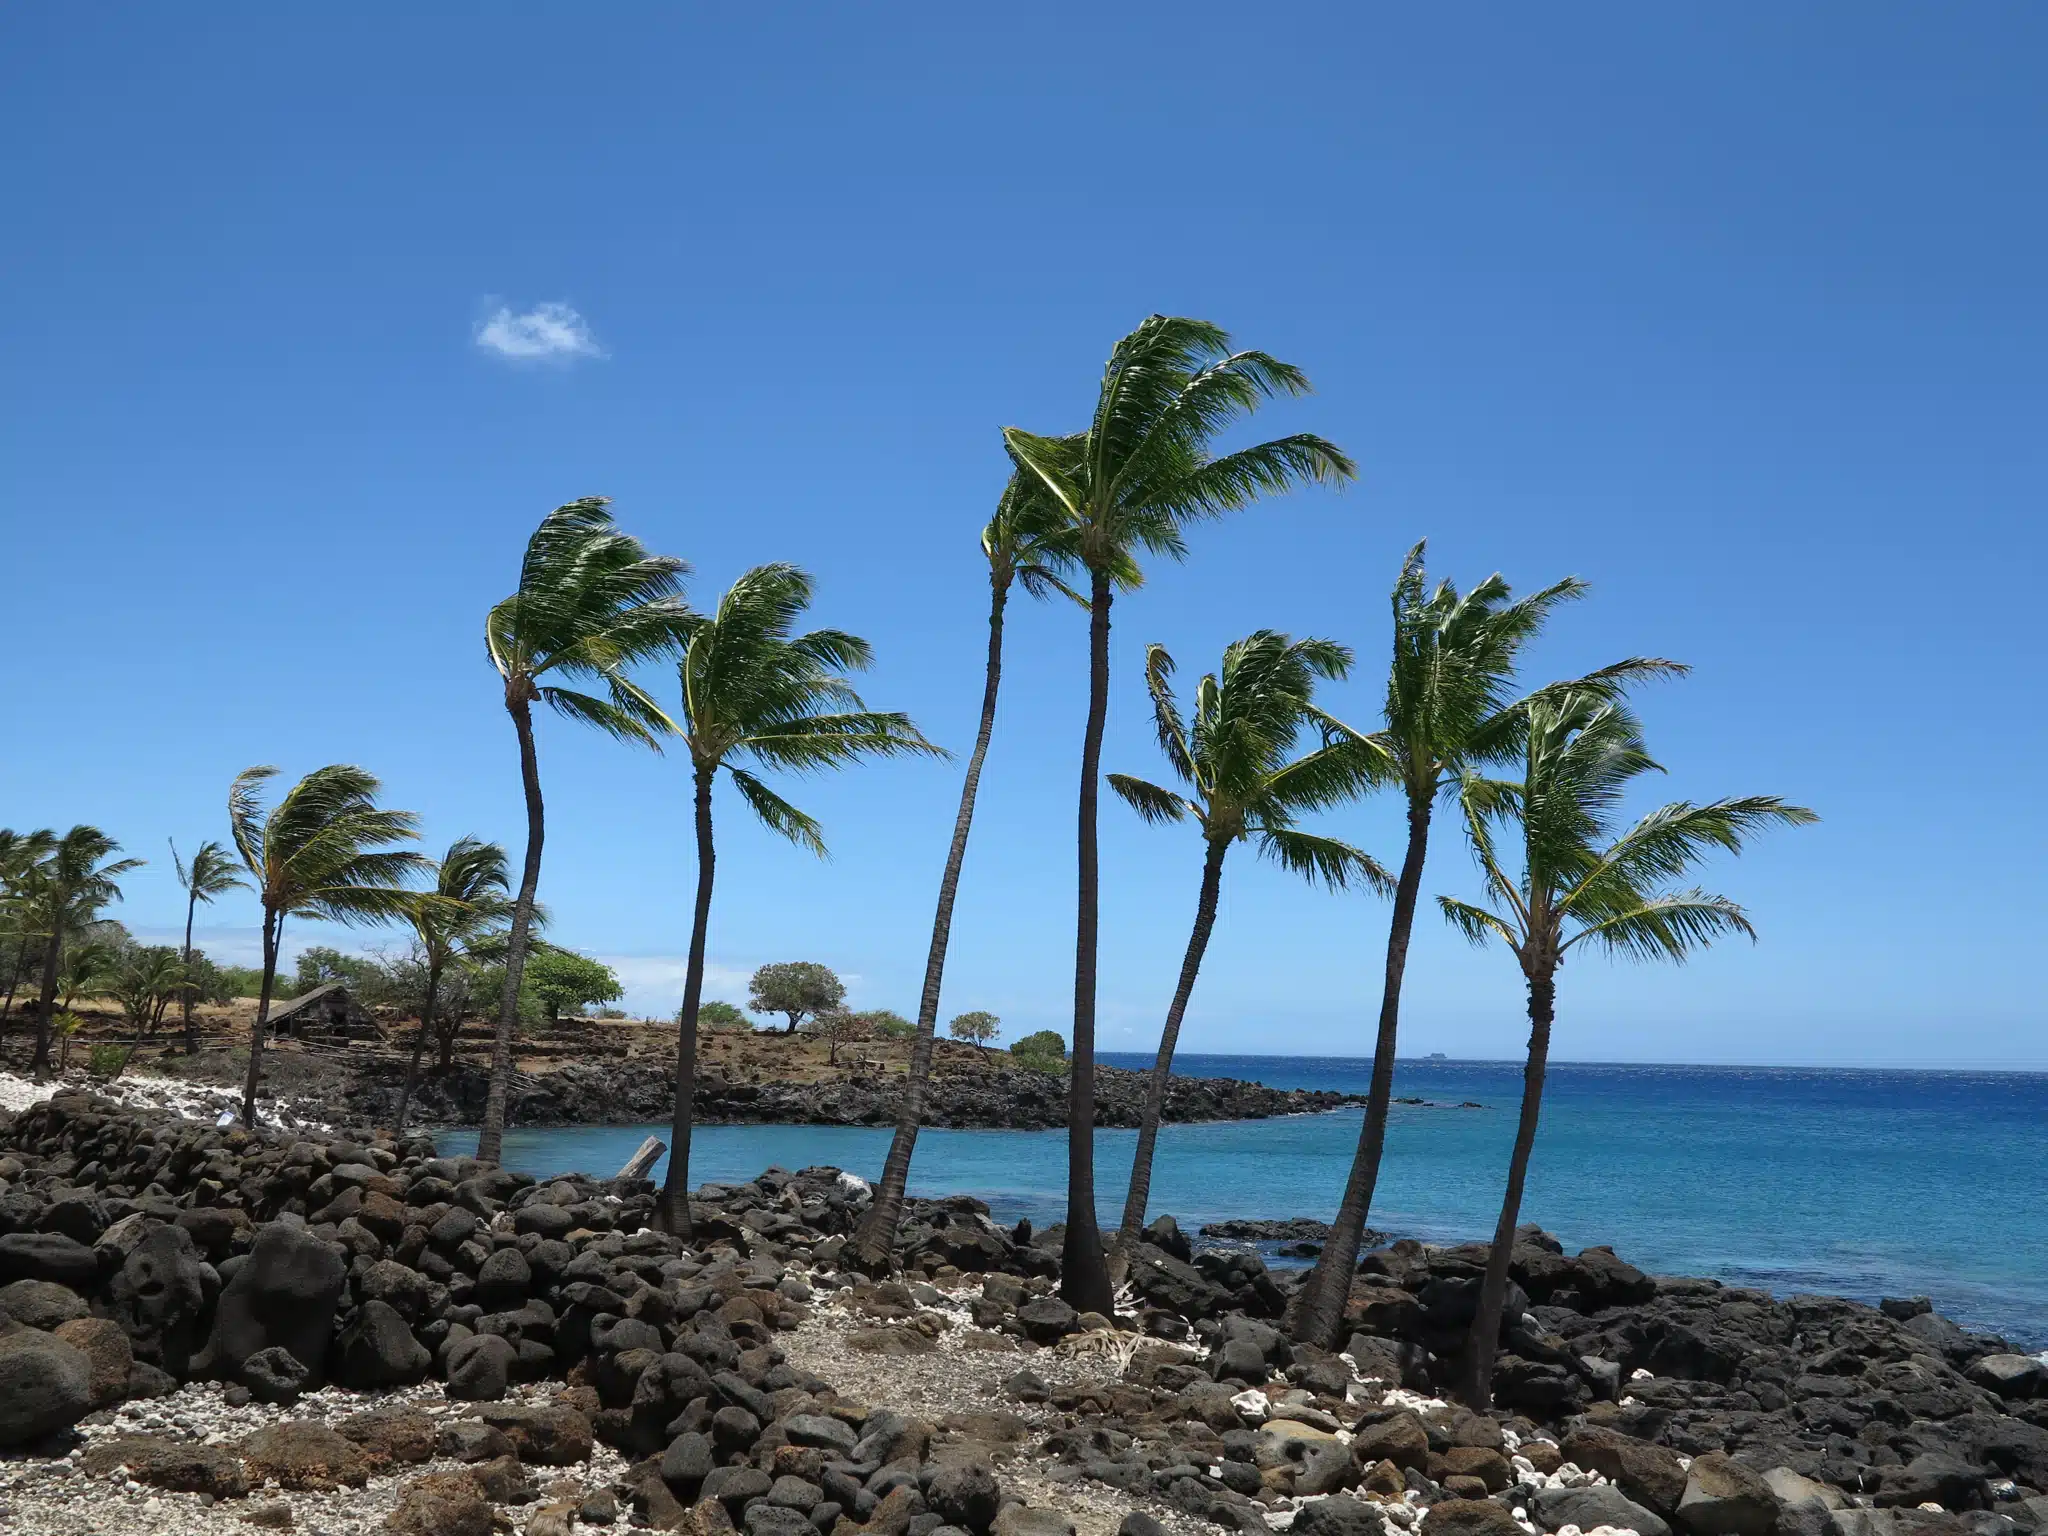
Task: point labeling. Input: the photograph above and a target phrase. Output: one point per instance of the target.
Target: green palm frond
(1336, 864)
(211, 873)
(777, 814)
(326, 848)
(1152, 802)
(1667, 927)
(1477, 924)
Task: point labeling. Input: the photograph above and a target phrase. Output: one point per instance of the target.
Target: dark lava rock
(275, 1375)
(480, 1368)
(41, 1303)
(47, 1256)
(45, 1386)
(284, 1295)
(1603, 1504)
(377, 1349)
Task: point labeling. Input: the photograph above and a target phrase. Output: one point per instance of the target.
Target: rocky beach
(330, 1333)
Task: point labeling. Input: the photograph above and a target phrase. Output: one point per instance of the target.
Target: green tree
(1236, 757)
(148, 979)
(566, 981)
(65, 891)
(836, 1027)
(1451, 705)
(1133, 482)
(211, 873)
(20, 852)
(1041, 1051)
(88, 971)
(320, 964)
(323, 851)
(722, 1017)
(467, 902)
(1027, 541)
(591, 604)
(885, 1024)
(796, 989)
(978, 1027)
(1582, 747)
(754, 691)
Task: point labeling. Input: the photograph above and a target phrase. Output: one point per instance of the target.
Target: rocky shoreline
(303, 1331)
(637, 1092)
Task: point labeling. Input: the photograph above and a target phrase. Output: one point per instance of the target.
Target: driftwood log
(644, 1158)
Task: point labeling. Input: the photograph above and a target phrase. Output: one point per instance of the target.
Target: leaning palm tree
(1130, 484)
(753, 691)
(592, 602)
(323, 851)
(466, 903)
(1025, 542)
(211, 873)
(66, 890)
(1450, 706)
(20, 852)
(1243, 784)
(1582, 747)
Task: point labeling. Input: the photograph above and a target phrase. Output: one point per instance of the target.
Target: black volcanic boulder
(283, 1296)
(157, 1295)
(47, 1256)
(377, 1349)
(45, 1385)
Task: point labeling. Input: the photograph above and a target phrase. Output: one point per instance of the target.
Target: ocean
(1853, 1183)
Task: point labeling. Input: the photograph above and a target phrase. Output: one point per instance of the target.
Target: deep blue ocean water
(1855, 1183)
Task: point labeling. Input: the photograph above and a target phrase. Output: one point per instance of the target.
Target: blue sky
(1737, 313)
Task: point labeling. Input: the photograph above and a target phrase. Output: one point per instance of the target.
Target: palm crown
(591, 602)
(1583, 748)
(211, 873)
(468, 899)
(76, 876)
(1143, 469)
(324, 850)
(1235, 755)
(751, 689)
(1029, 540)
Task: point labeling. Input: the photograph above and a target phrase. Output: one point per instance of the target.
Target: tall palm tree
(211, 873)
(1235, 757)
(20, 852)
(467, 901)
(1133, 482)
(592, 602)
(754, 691)
(1024, 542)
(66, 890)
(324, 851)
(1582, 747)
(1450, 705)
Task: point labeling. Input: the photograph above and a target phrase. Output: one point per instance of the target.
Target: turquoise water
(1861, 1184)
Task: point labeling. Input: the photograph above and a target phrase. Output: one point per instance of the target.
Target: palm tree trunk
(14, 980)
(46, 1002)
(1084, 1272)
(185, 992)
(1319, 1306)
(876, 1239)
(419, 1047)
(273, 932)
(675, 1190)
(1484, 1341)
(1162, 1067)
(490, 1142)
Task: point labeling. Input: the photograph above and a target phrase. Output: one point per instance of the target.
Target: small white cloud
(546, 331)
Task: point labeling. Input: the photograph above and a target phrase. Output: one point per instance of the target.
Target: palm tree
(211, 873)
(1133, 482)
(1582, 747)
(468, 901)
(323, 851)
(591, 603)
(752, 690)
(20, 852)
(66, 890)
(88, 967)
(1235, 759)
(1024, 541)
(1450, 705)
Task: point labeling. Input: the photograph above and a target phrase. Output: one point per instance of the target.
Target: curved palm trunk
(1319, 1306)
(419, 1048)
(1084, 1272)
(46, 1002)
(876, 1238)
(490, 1142)
(185, 992)
(273, 932)
(1162, 1068)
(1484, 1341)
(675, 1190)
(14, 981)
